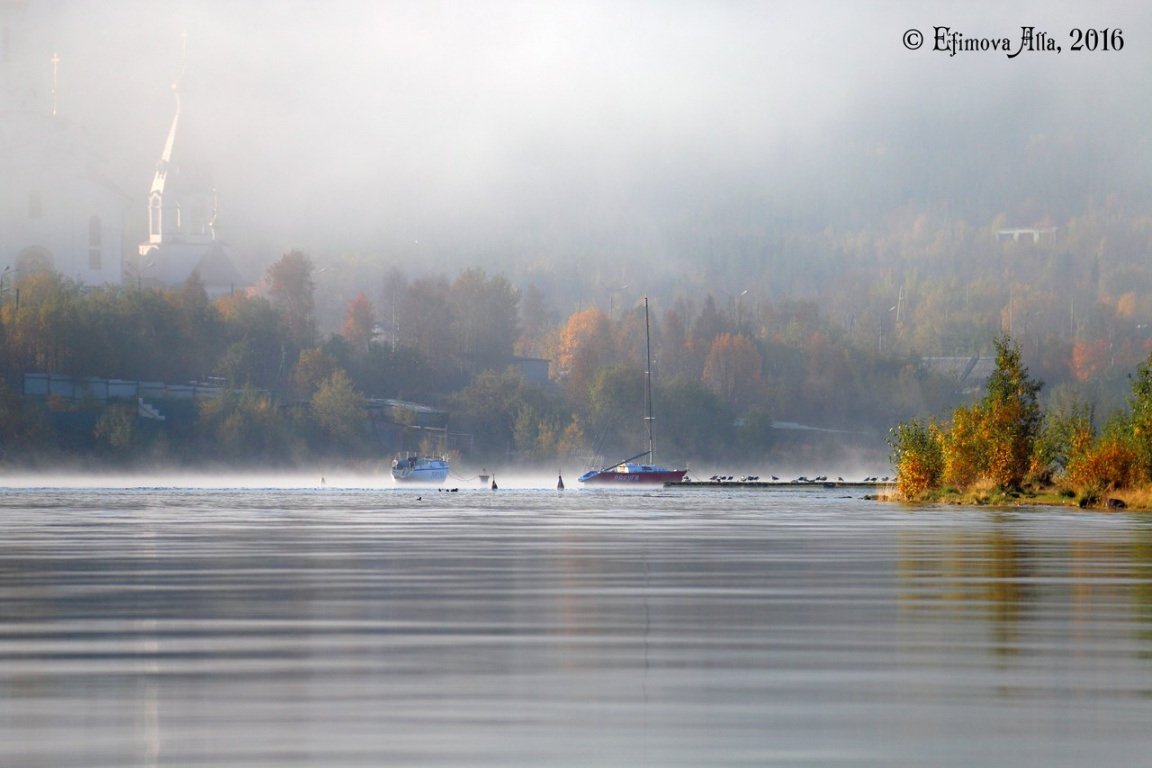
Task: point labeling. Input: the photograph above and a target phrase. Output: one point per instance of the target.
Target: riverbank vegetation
(1006, 447)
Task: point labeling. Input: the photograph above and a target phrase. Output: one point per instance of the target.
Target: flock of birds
(801, 479)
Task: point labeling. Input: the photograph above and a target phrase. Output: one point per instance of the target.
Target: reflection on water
(296, 627)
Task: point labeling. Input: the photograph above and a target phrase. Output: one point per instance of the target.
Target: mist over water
(379, 479)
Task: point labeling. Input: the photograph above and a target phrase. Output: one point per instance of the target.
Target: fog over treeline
(594, 141)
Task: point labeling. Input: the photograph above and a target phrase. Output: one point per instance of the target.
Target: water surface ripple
(359, 626)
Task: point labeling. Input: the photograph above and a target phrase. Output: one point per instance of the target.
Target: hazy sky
(482, 126)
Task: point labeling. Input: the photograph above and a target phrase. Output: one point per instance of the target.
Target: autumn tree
(964, 453)
(1011, 416)
(586, 346)
(732, 371)
(359, 322)
(291, 290)
(918, 458)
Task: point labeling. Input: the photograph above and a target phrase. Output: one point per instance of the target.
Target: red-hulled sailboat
(627, 472)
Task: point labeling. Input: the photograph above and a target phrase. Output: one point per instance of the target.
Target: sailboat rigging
(626, 471)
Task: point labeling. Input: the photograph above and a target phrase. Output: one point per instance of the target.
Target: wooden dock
(780, 485)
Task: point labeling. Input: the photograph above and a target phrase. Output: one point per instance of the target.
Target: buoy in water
(560, 483)
(494, 483)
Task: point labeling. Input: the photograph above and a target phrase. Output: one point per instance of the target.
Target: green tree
(691, 421)
(313, 368)
(244, 425)
(339, 410)
(485, 317)
(1140, 417)
(23, 425)
(754, 435)
(116, 430)
(1062, 437)
(487, 408)
(254, 348)
(537, 321)
(428, 318)
(616, 402)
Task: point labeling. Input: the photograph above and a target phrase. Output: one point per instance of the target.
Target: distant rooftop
(972, 372)
(1032, 233)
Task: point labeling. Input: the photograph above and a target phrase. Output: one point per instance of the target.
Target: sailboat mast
(648, 382)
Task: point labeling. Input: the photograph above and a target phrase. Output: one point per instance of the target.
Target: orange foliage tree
(586, 346)
(359, 322)
(918, 458)
(732, 370)
(1089, 358)
(964, 457)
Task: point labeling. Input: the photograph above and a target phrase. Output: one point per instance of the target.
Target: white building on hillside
(182, 212)
(57, 209)
(60, 212)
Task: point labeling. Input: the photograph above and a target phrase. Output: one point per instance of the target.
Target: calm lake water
(368, 627)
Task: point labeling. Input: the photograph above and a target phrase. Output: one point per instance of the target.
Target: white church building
(59, 212)
(182, 212)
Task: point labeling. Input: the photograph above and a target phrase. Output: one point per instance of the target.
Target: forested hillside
(834, 330)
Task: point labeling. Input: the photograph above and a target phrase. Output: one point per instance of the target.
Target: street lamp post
(881, 342)
(736, 303)
(735, 298)
(612, 298)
